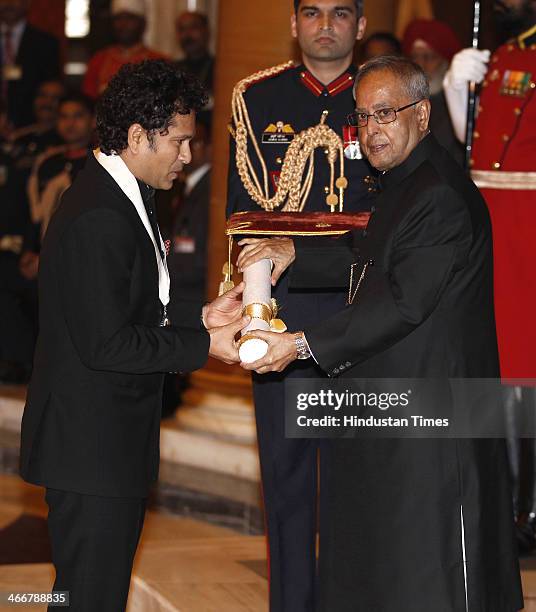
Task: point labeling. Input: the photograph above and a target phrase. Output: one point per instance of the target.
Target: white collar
(17, 29)
(119, 171)
(194, 177)
(16, 35)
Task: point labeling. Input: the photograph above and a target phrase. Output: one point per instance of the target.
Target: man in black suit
(407, 513)
(90, 431)
(28, 56)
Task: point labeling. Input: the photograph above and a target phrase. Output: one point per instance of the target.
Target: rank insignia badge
(515, 83)
(278, 133)
(352, 150)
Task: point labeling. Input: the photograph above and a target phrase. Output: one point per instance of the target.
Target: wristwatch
(301, 346)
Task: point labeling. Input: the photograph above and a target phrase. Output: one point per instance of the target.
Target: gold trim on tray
(490, 179)
(240, 230)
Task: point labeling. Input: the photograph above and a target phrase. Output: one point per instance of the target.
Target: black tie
(147, 195)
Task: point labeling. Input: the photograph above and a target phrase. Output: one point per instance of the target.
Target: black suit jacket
(425, 306)
(424, 310)
(38, 57)
(91, 421)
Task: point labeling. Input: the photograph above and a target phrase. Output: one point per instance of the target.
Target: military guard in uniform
(281, 103)
(503, 165)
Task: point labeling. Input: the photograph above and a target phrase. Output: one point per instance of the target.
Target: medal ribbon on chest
(515, 83)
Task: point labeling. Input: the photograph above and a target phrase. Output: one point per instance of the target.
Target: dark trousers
(289, 469)
(93, 541)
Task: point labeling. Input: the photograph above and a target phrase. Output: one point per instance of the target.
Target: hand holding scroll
(281, 352)
(279, 250)
(223, 345)
(225, 309)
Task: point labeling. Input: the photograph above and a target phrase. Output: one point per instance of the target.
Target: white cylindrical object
(258, 290)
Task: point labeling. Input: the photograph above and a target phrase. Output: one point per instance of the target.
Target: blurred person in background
(187, 260)
(18, 299)
(432, 44)
(380, 43)
(23, 222)
(193, 35)
(18, 287)
(55, 170)
(187, 206)
(128, 24)
(28, 142)
(28, 56)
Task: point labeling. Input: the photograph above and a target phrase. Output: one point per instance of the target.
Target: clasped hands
(223, 317)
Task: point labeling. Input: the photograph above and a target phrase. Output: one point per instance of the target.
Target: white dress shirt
(119, 171)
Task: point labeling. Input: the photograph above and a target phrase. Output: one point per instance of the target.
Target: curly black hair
(150, 93)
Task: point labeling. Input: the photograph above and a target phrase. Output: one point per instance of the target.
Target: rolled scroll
(257, 301)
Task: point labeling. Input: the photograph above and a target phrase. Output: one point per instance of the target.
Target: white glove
(466, 66)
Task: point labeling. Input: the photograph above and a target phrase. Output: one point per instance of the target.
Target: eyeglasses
(383, 115)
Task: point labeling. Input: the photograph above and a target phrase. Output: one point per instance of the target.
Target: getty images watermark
(407, 408)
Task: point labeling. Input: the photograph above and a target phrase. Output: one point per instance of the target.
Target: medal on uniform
(515, 83)
(352, 150)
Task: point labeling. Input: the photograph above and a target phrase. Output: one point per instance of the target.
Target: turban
(437, 34)
(135, 7)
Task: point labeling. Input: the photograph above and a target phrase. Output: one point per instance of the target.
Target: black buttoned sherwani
(403, 513)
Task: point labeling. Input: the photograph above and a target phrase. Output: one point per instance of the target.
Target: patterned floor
(182, 564)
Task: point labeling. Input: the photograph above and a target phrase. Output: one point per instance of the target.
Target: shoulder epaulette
(527, 40)
(263, 75)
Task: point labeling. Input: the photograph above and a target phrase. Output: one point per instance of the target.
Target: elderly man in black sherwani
(413, 525)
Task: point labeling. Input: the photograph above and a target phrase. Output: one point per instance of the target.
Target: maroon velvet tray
(295, 224)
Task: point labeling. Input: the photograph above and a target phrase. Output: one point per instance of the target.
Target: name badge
(12, 72)
(184, 244)
(278, 133)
